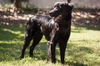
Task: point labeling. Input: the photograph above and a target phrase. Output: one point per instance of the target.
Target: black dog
(56, 29)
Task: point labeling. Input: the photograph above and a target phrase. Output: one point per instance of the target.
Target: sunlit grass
(83, 48)
(5, 5)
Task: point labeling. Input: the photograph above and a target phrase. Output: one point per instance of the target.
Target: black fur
(56, 28)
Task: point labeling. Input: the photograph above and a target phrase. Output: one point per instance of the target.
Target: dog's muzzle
(54, 12)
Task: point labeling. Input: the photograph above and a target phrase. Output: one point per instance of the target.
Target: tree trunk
(68, 1)
(17, 4)
(12, 1)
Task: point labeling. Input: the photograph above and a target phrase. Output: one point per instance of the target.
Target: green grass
(83, 48)
(5, 5)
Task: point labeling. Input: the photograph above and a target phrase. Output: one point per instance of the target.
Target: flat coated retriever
(56, 28)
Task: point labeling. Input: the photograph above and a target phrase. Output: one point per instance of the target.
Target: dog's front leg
(51, 52)
(52, 44)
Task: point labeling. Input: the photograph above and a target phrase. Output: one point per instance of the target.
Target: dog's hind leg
(27, 40)
(28, 37)
(36, 39)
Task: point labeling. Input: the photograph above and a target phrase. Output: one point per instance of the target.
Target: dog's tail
(31, 25)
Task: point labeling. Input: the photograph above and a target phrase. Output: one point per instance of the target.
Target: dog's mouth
(54, 13)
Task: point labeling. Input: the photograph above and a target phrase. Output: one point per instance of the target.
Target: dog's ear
(57, 3)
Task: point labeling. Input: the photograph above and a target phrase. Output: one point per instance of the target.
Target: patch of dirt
(81, 17)
(9, 17)
(89, 17)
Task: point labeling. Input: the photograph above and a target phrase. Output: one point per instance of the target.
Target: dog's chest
(47, 27)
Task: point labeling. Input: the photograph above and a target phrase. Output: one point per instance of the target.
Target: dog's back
(40, 18)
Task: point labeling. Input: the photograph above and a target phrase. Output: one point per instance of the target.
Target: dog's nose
(51, 13)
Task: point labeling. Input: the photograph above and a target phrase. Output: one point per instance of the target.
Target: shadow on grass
(75, 64)
(40, 51)
(80, 29)
(18, 27)
(10, 41)
(11, 32)
(77, 52)
(11, 51)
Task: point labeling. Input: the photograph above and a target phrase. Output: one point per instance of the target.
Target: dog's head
(61, 8)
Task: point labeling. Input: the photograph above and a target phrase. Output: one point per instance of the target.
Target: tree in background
(69, 1)
(17, 3)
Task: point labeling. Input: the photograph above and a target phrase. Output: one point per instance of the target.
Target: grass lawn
(83, 48)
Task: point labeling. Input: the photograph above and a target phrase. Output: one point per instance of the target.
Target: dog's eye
(58, 6)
